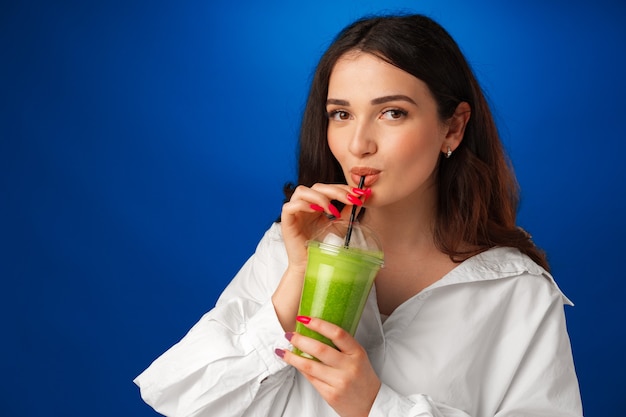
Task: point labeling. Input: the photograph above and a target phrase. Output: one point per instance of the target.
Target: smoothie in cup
(338, 279)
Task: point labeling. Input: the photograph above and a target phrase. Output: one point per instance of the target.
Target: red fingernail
(279, 352)
(368, 194)
(333, 210)
(317, 208)
(354, 200)
(360, 191)
(288, 336)
(303, 319)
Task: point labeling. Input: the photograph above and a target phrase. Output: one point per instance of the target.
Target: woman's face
(383, 123)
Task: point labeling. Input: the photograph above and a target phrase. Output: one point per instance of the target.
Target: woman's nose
(362, 142)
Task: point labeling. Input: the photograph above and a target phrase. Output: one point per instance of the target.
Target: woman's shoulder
(504, 263)
(273, 237)
(274, 232)
(272, 244)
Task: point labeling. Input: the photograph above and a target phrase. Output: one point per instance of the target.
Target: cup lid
(362, 237)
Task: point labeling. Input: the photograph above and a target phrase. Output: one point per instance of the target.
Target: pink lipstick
(371, 175)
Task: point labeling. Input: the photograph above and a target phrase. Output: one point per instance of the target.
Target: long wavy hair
(478, 193)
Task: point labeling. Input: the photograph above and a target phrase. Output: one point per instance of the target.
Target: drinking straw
(346, 243)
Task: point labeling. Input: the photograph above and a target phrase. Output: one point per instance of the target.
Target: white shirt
(487, 339)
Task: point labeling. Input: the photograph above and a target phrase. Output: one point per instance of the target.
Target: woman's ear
(456, 127)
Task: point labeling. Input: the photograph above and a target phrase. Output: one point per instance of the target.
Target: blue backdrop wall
(144, 145)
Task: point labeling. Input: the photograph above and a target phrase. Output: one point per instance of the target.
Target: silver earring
(449, 153)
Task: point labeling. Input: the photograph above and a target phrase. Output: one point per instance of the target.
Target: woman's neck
(412, 259)
(403, 226)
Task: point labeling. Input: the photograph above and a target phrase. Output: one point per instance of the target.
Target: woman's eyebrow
(378, 100)
(396, 97)
(337, 102)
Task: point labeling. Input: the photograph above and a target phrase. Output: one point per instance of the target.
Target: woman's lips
(371, 175)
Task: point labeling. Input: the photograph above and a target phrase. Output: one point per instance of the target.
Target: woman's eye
(393, 114)
(338, 115)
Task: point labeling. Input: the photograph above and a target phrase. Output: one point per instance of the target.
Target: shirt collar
(495, 263)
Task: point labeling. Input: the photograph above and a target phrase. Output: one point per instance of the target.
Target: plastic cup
(338, 279)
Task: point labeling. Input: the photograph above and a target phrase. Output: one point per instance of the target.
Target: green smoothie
(337, 283)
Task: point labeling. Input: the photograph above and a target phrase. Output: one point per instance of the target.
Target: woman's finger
(308, 367)
(315, 348)
(315, 199)
(333, 191)
(344, 342)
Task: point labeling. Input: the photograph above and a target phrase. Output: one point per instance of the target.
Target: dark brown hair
(477, 191)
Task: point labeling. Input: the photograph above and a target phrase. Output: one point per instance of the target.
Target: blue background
(144, 145)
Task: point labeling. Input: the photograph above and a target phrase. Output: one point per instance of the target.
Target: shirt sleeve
(226, 365)
(389, 403)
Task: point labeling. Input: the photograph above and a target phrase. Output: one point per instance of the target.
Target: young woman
(463, 320)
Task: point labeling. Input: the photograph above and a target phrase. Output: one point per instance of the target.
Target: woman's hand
(344, 378)
(301, 217)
